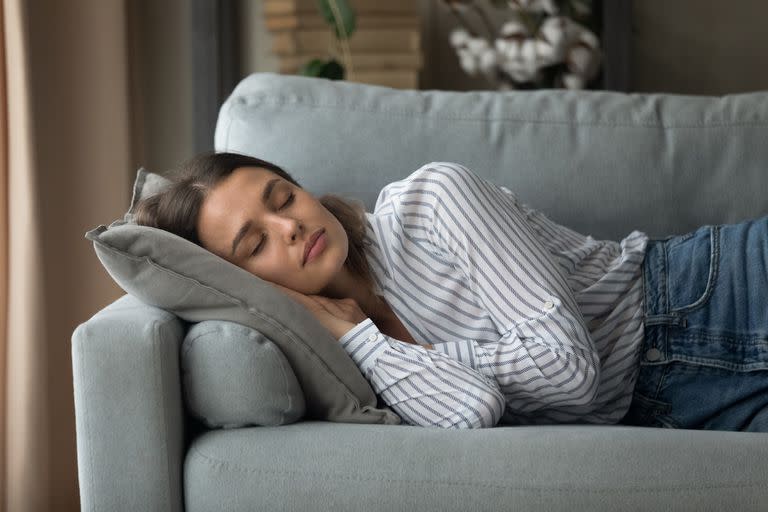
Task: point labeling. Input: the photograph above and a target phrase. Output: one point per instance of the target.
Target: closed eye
(287, 203)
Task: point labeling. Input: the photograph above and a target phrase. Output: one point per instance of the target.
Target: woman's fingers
(345, 309)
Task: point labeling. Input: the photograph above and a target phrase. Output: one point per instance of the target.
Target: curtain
(65, 166)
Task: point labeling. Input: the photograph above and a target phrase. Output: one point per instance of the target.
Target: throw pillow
(233, 377)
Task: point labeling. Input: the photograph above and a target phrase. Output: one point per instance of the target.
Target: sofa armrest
(128, 408)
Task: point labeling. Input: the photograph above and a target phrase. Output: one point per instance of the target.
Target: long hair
(176, 208)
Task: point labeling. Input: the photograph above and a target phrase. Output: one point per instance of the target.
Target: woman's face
(278, 230)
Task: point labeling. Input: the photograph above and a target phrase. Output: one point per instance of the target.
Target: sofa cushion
(233, 376)
(172, 273)
(322, 466)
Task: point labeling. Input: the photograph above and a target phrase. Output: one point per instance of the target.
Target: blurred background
(90, 90)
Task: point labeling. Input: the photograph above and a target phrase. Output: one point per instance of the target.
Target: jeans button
(653, 354)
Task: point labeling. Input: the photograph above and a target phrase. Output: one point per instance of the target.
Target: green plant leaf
(312, 68)
(346, 14)
(319, 68)
(332, 70)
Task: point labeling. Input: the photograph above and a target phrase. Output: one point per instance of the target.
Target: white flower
(520, 62)
(583, 54)
(467, 61)
(475, 55)
(513, 28)
(573, 81)
(589, 39)
(459, 37)
(521, 55)
(579, 60)
(546, 52)
(477, 45)
(553, 32)
(528, 51)
(487, 60)
(520, 74)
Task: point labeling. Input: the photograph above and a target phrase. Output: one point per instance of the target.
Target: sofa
(602, 163)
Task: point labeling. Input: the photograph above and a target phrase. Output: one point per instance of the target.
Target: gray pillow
(235, 377)
(172, 273)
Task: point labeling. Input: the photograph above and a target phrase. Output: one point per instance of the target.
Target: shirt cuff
(364, 343)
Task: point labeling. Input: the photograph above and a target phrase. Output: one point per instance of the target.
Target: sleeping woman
(463, 306)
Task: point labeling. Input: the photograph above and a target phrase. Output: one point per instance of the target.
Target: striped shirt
(531, 322)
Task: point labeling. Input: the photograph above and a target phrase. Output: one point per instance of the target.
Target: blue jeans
(704, 359)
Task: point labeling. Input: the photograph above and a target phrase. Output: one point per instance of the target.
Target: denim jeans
(704, 359)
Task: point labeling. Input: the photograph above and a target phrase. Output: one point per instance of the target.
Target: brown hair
(176, 208)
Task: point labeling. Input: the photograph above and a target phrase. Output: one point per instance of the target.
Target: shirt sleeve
(544, 356)
(423, 387)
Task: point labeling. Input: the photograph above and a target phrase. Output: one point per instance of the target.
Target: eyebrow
(245, 227)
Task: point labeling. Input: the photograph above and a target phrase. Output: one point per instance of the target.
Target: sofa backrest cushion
(172, 273)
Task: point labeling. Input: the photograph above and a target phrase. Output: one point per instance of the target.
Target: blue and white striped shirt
(531, 322)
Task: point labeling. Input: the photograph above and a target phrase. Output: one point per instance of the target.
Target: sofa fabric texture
(601, 163)
(234, 376)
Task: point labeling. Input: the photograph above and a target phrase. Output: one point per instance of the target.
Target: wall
(161, 74)
(699, 46)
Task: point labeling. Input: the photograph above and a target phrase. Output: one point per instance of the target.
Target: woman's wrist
(342, 327)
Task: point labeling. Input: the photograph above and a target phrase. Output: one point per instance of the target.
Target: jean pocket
(692, 266)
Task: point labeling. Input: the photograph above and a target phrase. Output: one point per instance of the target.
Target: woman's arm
(424, 387)
(544, 356)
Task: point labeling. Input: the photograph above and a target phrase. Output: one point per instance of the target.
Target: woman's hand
(336, 315)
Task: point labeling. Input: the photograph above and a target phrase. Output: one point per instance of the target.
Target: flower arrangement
(543, 44)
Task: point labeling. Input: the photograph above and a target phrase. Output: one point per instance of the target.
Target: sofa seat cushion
(314, 465)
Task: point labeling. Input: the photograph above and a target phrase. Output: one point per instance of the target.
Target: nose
(287, 227)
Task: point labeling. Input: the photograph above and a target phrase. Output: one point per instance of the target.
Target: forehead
(220, 211)
(243, 185)
(242, 177)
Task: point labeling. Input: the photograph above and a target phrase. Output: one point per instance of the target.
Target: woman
(461, 305)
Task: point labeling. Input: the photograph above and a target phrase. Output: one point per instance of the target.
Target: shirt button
(653, 354)
(372, 337)
(549, 305)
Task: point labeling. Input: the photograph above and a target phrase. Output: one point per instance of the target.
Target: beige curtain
(65, 166)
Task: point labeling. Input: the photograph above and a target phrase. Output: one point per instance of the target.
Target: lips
(311, 242)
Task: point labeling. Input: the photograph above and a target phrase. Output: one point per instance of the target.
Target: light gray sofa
(601, 163)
